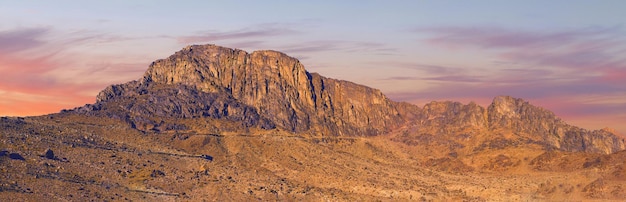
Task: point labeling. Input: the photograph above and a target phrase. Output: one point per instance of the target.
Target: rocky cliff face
(270, 89)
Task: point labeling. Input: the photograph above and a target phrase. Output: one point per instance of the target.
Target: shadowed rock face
(270, 89)
(139, 103)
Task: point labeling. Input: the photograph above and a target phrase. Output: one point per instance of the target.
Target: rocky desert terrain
(211, 123)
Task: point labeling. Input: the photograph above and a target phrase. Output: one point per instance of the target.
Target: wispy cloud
(402, 78)
(427, 69)
(459, 78)
(21, 39)
(264, 36)
(455, 79)
(575, 54)
(589, 48)
(498, 37)
(434, 73)
(254, 33)
(313, 46)
(326, 46)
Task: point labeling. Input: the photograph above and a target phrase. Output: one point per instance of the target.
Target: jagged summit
(269, 89)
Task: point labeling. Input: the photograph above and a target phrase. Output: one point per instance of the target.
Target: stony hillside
(213, 123)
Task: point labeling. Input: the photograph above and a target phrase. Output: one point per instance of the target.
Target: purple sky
(566, 56)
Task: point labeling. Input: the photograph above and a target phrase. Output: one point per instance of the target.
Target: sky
(566, 56)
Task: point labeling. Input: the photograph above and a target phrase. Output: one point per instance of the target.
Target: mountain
(276, 85)
(281, 93)
(224, 123)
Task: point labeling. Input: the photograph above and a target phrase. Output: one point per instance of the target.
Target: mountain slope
(99, 158)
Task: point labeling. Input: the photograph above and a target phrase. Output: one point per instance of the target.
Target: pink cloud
(35, 68)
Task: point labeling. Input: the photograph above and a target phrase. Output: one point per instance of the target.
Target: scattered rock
(49, 154)
(157, 173)
(16, 156)
(207, 157)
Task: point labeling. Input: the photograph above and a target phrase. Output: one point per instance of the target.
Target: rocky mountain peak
(214, 68)
(277, 86)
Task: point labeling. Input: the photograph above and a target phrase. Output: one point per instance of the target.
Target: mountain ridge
(282, 91)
